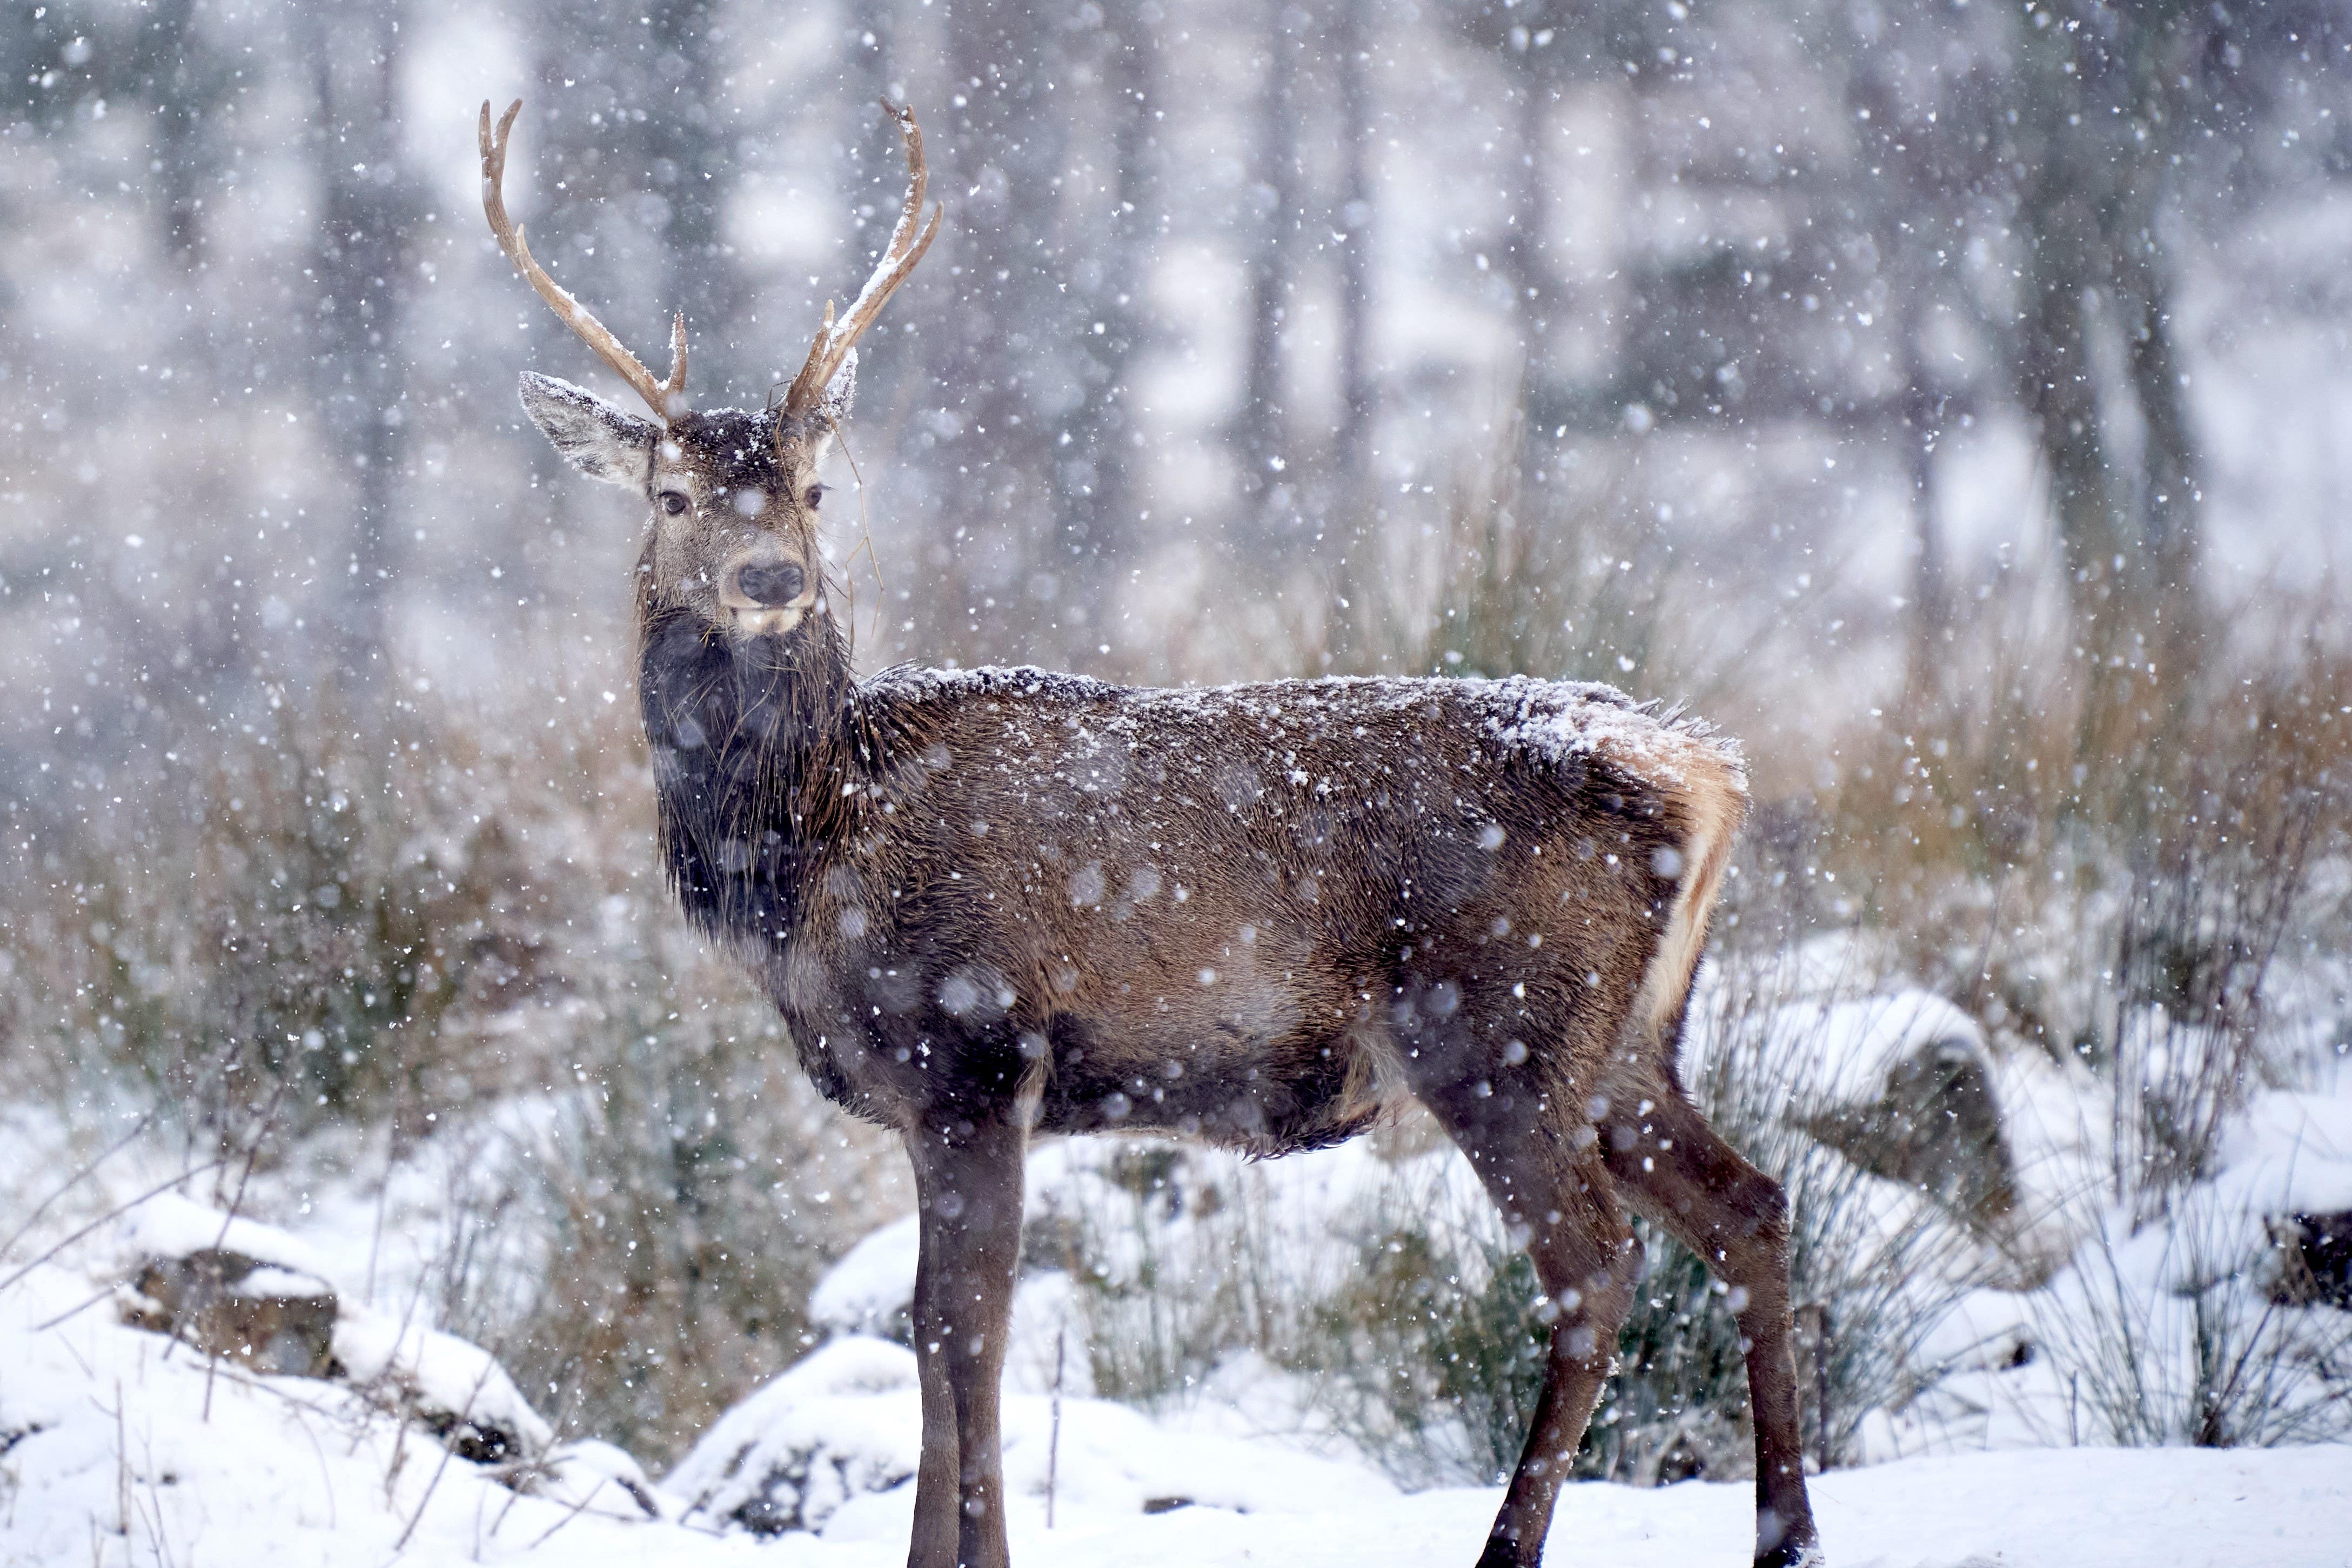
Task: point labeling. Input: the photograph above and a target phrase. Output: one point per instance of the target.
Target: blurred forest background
(1951, 397)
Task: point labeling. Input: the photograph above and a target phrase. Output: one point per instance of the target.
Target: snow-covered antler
(834, 342)
(668, 398)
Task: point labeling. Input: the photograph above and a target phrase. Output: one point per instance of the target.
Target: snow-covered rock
(225, 1303)
(169, 1225)
(1908, 1093)
(232, 1286)
(1901, 1083)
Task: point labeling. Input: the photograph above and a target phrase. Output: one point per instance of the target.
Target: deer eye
(815, 494)
(674, 503)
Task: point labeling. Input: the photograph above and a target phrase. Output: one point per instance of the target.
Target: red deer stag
(995, 903)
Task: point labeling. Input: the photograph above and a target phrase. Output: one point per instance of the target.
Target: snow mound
(846, 1420)
(1115, 1459)
(455, 1388)
(2290, 1153)
(869, 1291)
(114, 1435)
(831, 1445)
(169, 1225)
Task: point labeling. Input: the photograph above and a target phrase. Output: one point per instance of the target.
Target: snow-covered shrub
(2103, 866)
(1441, 1319)
(683, 1188)
(1184, 1256)
(311, 920)
(2174, 1336)
(2205, 909)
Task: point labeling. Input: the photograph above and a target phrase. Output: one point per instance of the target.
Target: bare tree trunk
(362, 297)
(2097, 149)
(2171, 488)
(1097, 492)
(1262, 426)
(687, 148)
(1353, 446)
(1351, 529)
(2065, 266)
(627, 112)
(1931, 602)
(2155, 45)
(173, 66)
(1526, 261)
(1012, 328)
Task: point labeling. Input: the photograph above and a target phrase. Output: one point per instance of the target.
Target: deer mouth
(765, 621)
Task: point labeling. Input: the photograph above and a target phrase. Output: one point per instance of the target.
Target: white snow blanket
(115, 1451)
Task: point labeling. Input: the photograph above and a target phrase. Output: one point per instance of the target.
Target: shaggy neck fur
(751, 747)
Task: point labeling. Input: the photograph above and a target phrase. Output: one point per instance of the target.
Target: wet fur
(1198, 912)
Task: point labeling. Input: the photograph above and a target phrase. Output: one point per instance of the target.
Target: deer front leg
(968, 1191)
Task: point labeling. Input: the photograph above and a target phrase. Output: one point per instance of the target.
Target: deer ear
(600, 440)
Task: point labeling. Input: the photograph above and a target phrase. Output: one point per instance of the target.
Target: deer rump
(1253, 915)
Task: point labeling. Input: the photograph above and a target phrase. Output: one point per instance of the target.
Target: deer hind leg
(1678, 1171)
(968, 1186)
(1556, 1199)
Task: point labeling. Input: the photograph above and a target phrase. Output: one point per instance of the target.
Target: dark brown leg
(1674, 1169)
(968, 1180)
(1561, 1202)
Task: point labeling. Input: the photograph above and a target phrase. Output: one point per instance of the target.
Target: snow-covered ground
(122, 1446)
(115, 1448)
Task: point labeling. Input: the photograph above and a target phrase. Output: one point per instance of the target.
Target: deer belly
(1268, 1094)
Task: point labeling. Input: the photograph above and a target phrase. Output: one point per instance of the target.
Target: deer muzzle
(765, 595)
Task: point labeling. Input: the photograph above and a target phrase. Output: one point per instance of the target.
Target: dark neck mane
(751, 747)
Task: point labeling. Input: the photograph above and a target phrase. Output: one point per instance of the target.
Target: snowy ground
(117, 1447)
(117, 1450)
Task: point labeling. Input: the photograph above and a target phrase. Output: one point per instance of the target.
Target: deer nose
(770, 587)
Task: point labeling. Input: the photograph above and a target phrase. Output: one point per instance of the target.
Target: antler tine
(834, 342)
(667, 399)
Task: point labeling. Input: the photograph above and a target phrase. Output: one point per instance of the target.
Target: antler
(668, 398)
(833, 342)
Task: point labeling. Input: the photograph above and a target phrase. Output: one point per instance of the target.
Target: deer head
(732, 536)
